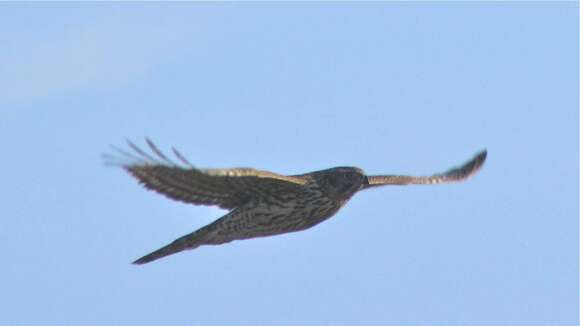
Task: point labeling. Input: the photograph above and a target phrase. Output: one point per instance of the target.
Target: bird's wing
(226, 188)
(455, 174)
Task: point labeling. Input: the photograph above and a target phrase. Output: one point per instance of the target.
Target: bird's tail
(187, 242)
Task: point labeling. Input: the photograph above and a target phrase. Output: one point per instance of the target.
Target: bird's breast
(294, 211)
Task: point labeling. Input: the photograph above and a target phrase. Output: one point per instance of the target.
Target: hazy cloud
(102, 54)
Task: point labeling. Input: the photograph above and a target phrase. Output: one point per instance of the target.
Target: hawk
(260, 203)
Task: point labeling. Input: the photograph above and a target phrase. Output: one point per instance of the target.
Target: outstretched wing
(456, 174)
(226, 188)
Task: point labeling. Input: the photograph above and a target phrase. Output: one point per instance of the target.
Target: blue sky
(391, 87)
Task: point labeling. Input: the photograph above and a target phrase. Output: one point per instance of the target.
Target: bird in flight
(260, 203)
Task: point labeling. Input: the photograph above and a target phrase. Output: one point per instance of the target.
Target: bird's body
(261, 203)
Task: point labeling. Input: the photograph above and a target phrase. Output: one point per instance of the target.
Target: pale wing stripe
(453, 175)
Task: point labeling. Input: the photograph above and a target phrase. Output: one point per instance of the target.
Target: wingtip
(480, 157)
(472, 166)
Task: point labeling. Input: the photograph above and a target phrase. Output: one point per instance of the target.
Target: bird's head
(342, 182)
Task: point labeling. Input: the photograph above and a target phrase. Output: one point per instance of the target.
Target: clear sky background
(390, 87)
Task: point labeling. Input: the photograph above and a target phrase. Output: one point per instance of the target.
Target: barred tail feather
(187, 242)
